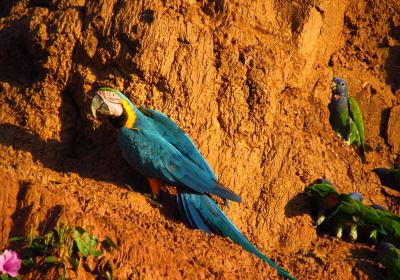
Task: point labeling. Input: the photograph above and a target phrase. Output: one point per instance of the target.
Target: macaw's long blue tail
(200, 211)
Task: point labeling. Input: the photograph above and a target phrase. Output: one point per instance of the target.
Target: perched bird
(389, 177)
(327, 202)
(322, 199)
(345, 116)
(390, 257)
(161, 151)
(342, 211)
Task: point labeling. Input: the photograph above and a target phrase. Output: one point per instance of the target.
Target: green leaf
(27, 262)
(80, 230)
(37, 246)
(4, 277)
(108, 244)
(86, 244)
(19, 277)
(16, 238)
(373, 234)
(97, 253)
(51, 259)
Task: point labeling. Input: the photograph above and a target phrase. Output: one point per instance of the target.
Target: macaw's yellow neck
(130, 115)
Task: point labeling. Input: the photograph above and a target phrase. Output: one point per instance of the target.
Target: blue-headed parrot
(389, 177)
(345, 116)
(161, 151)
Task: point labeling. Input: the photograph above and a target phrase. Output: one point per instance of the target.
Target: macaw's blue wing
(202, 212)
(177, 137)
(154, 157)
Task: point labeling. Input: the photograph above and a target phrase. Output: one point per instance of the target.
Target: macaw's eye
(342, 84)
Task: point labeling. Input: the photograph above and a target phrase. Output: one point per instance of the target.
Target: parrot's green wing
(177, 137)
(357, 118)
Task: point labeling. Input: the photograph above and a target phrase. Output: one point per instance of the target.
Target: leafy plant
(63, 248)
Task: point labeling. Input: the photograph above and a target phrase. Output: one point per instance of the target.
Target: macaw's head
(339, 89)
(114, 105)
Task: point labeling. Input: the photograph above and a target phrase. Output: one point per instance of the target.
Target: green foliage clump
(63, 249)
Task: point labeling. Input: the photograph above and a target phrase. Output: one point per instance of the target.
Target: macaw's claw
(153, 202)
(155, 187)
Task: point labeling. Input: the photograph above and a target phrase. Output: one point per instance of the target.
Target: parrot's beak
(334, 86)
(98, 104)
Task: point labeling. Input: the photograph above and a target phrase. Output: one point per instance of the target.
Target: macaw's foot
(153, 202)
(155, 186)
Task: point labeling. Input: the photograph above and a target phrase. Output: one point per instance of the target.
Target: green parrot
(390, 256)
(345, 116)
(162, 152)
(342, 211)
(321, 203)
(326, 202)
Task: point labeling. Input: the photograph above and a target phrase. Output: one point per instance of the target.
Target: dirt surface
(249, 81)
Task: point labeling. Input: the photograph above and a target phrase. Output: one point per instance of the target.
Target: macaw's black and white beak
(107, 102)
(99, 105)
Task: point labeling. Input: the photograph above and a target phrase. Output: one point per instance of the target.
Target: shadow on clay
(24, 214)
(367, 261)
(392, 64)
(297, 206)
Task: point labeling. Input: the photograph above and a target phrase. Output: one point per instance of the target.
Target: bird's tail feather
(202, 212)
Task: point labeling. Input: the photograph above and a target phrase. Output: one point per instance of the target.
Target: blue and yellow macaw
(345, 116)
(161, 151)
